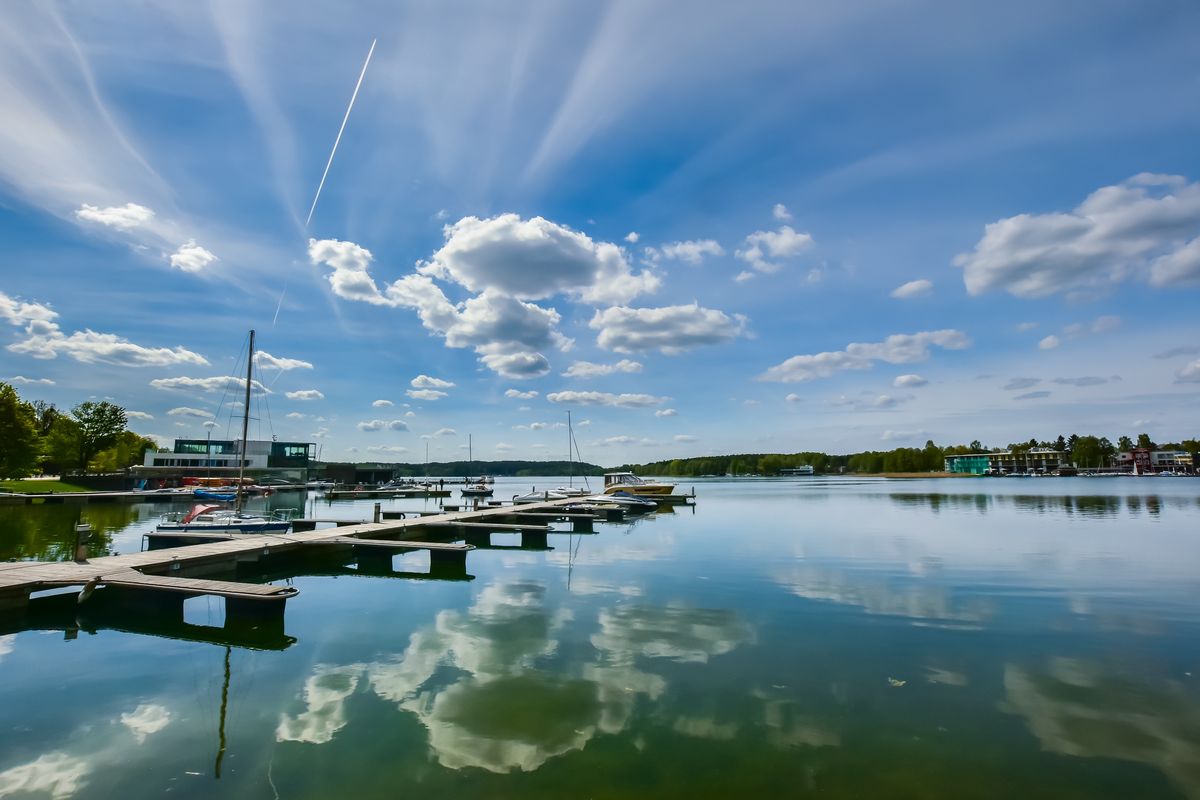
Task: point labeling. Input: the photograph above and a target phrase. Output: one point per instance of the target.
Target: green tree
(99, 426)
(1124, 444)
(60, 446)
(976, 446)
(1145, 441)
(19, 446)
(128, 449)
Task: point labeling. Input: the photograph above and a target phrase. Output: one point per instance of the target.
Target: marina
(849, 634)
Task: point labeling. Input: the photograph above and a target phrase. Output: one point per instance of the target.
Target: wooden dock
(177, 565)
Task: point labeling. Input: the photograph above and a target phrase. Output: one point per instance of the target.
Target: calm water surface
(984, 638)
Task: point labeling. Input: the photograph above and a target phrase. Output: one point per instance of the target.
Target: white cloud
(19, 312)
(441, 432)
(195, 413)
(505, 331)
(1143, 227)
(425, 394)
(191, 257)
(632, 237)
(606, 399)
(382, 404)
(588, 369)
(761, 245)
(1182, 350)
(1049, 343)
(889, 401)
(666, 412)
(533, 426)
(1039, 395)
(684, 437)
(267, 361)
(138, 415)
(1015, 384)
(522, 395)
(535, 259)
(21, 379)
(46, 340)
(909, 380)
(670, 329)
(900, 436)
(693, 252)
(519, 366)
(792, 397)
(123, 217)
(1189, 374)
(1105, 324)
(305, 394)
(899, 348)
(781, 213)
(917, 288)
(386, 448)
(1083, 381)
(295, 415)
(426, 382)
(383, 425)
(219, 383)
(209, 424)
(505, 447)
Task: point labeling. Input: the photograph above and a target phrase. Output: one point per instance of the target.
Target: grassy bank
(41, 487)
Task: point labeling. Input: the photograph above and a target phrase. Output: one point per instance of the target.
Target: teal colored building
(973, 464)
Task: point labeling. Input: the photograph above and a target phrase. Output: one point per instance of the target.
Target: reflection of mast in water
(221, 722)
(572, 552)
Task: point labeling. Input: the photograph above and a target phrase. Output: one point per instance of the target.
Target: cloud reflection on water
(480, 683)
(1092, 710)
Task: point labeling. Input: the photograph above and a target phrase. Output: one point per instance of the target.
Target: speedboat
(538, 497)
(208, 518)
(628, 482)
(630, 502)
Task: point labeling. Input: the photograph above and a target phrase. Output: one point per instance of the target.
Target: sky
(700, 228)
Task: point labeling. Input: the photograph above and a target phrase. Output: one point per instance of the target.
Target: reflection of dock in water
(145, 592)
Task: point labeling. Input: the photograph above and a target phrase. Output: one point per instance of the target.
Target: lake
(824, 637)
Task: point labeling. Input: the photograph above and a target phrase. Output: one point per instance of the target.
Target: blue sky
(700, 227)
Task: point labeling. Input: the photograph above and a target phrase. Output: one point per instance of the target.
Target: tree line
(1083, 451)
(38, 438)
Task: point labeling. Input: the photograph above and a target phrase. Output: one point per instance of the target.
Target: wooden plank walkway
(169, 566)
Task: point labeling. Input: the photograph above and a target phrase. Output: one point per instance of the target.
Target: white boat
(538, 497)
(628, 482)
(480, 487)
(627, 501)
(208, 518)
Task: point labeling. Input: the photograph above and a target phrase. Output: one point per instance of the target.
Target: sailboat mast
(245, 424)
(570, 461)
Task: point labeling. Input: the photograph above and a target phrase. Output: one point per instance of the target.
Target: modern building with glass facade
(219, 457)
(1041, 460)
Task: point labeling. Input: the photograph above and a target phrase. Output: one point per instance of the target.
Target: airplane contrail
(332, 152)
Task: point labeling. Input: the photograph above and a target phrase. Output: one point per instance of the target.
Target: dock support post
(262, 616)
(300, 525)
(373, 561)
(448, 563)
(534, 540)
(378, 513)
(581, 525)
(478, 538)
(83, 534)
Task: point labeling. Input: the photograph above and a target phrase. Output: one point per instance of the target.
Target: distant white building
(220, 457)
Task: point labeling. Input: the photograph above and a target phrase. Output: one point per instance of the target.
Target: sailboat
(213, 518)
(481, 487)
(571, 490)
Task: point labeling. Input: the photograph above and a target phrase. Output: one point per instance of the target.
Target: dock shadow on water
(831, 639)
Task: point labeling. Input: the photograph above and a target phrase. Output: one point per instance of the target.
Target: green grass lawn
(35, 487)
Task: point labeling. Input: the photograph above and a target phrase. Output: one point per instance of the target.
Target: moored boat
(628, 482)
(211, 518)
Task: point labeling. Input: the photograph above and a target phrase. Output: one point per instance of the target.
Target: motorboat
(535, 496)
(628, 482)
(211, 518)
(630, 502)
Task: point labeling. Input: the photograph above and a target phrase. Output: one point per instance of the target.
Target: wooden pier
(178, 566)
